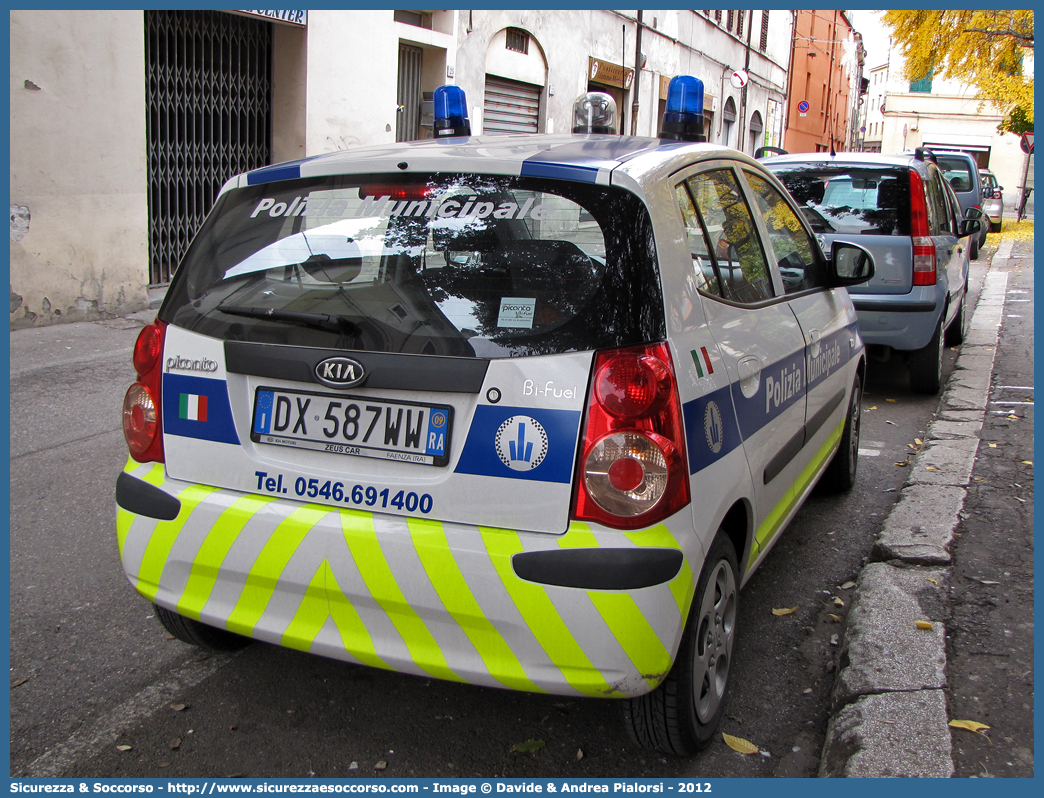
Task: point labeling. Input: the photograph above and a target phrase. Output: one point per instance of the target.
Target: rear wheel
(681, 715)
(199, 634)
(840, 475)
(973, 247)
(925, 365)
(995, 227)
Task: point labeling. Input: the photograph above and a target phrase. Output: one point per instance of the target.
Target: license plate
(410, 432)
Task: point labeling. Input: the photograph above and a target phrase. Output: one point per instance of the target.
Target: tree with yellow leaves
(984, 49)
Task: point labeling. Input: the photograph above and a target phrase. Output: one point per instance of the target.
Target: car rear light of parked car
(142, 426)
(923, 245)
(631, 471)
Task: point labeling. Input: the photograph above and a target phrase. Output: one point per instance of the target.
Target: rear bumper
(901, 321)
(414, 595)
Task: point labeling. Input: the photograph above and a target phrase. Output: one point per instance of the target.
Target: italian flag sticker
(192, 407)
(706, 360)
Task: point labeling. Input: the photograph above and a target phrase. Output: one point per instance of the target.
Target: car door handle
(814, 337)
(749, 371)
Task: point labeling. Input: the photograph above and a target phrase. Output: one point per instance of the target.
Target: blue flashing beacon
(683, 118)
(451, 112)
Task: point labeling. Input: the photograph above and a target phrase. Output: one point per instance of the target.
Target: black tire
(681, 716)
(925, 365)
(996, 227)
(840, 475)
(199, 634)
(973, 247)
(955, 332)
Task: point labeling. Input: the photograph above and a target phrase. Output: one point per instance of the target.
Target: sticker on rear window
(517, 312)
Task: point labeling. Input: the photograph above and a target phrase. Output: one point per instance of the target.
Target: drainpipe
(790, 76)
(637, 75)
(743, 95)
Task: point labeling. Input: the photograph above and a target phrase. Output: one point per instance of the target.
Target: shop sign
(296, 17)
(609, 74)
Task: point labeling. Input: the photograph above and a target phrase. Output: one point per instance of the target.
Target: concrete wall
(79, 233)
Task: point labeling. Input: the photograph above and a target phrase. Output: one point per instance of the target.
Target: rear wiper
(319, 321)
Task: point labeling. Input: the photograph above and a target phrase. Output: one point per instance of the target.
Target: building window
(717, 17)
(730, 18)
(923, 86)
(419, 19)
(517, 40)
(764, 30)
(739, 23)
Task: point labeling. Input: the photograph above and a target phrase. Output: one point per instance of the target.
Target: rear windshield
(466, 265)
(852, 201)
(957, 172)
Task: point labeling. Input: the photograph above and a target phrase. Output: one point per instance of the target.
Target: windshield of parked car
(870, 200)
(461, 265)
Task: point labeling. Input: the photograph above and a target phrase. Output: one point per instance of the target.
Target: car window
(703, 270)
(795, 251)
(957, 172)
(464, 265)
(849, 199)
(939, 221)
(735, 247)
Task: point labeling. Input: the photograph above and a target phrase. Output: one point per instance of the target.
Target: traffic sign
(1027, 143)
(740, 78)
(803, 106)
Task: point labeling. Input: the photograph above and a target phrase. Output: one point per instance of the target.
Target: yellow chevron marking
(429, 539)
(578, 536)
(157, 475)
(354, 636)
(634, 634)
(212, 553)
(771, 525)
(373, 567)
(683, 587)
(543, 619)
(124, 519)
(162, 540)
(264, 574)
(311, 614)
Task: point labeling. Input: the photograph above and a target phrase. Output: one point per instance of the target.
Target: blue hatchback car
(901, 208)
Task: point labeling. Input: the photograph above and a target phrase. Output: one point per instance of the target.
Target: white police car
(523, 412)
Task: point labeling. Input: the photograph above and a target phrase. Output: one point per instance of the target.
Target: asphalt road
(92, 669)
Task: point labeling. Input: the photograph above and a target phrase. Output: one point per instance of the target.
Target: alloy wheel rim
(715, 633)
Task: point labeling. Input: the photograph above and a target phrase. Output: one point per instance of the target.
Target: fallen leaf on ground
(174, 743)
(848, 585)
(739, 744)
(992, 445)
(178, 707)
(838, 601)
(903, 463)
(918, 441)
(381, 765)
(889, 400)
(579, 754)
(20, 682)
(787, 611)
(872, 408)
(930, 468)
(933, 580)
(923, 624)
(529, 746)
(892, 423)
(123, 748)
(1027, 462)
(969, 725)
(835, 618)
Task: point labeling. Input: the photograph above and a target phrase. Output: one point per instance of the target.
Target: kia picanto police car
(521, 411)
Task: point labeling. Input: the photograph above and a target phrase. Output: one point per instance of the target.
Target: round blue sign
(803, 106)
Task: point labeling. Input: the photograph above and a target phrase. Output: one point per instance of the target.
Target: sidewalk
(892, 699)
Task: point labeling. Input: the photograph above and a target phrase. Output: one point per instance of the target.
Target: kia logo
(340, 372)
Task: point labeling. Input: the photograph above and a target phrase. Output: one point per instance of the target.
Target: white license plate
(411, 432)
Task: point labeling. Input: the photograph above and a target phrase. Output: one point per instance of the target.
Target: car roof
(581, 158)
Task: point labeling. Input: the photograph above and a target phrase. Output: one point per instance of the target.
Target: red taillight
(631, 470)
(923, 245)
(142, 419)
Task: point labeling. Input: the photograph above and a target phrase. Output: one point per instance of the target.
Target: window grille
(739, 23)
(208, 105)
(517, 40)
(729, 20)
(764, 31)
(717, 17)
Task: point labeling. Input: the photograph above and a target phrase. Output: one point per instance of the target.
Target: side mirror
(969, 227)
(851, 263)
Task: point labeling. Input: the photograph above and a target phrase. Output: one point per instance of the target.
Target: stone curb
(889, 715)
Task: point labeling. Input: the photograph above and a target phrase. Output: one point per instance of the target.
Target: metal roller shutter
(510, 107)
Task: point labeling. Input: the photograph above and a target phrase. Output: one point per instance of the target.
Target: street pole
(637, 75)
